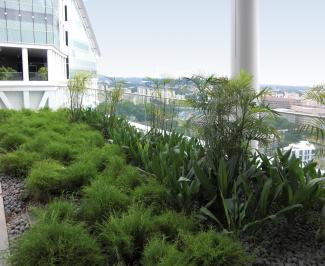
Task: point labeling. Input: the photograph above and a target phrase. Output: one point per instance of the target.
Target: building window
(67, 38)
(67, 66)
(66, 13)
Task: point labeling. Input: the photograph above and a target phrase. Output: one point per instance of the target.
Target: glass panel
(49, 4)
(13, 31)
(27, 32)
(39, 6)
(13, 21)
(50, 37)
(40, 28)
(3, 31)
(40, 37)
(26, 5)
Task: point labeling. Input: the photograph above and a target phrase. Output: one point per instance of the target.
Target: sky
(177, 38)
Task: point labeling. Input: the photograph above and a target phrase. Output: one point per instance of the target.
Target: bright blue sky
(183, 37)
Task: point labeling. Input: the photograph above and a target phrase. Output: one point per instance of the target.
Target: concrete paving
(4, 243)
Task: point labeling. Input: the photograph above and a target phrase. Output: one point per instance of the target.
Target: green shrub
(160, 253)
(109, 158)
(212, 248)
(124, 236)
(12, 141)
(56, 244)
(45, 179)
(57, 211)
(170, 224)
(59, 151)
(128, 179)
(82, 134)
(18, 163)
(152, 193)
(40, 142)
(102, 199)
(79, 174)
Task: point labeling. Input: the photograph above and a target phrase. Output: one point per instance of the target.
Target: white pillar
(245, 38)
(50, 65)
(25, 64)
(26, 99)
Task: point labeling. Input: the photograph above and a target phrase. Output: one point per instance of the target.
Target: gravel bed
(15, 207)
(280, 243)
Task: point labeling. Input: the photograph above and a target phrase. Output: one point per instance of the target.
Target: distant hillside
(297, 89)
(132, 81)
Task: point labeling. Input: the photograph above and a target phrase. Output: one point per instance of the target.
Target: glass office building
(43, 43)
(29, 21)
(81, 56)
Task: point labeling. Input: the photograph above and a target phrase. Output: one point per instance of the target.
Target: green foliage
(211, 248)
(231, 114)
(158, 252)
(79, 174)
(294, 182)
(18, 163)
(12, 141)
(169, 157)
(104, 116)
(78, 86)
(125, 236)
(102, 199)
(7, 73)
(56, 244)
(108, 158)
(59, 151)
(152, 194)
(161, 111)
(128, 179)
(45, 179)
(43, 73)
(244, 201)
(170, 224)
(126, 109)
(57, 211)
(205, 248)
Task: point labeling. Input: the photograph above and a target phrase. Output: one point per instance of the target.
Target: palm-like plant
(317, 130)
(231, 116)
(317, 127)
(78, 86)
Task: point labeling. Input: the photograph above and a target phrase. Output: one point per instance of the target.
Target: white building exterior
(303, 150)
(42, 44)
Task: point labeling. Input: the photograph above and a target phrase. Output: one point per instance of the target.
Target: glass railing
(11, 76)
(168, 113)
(173, 114)
(36, 76)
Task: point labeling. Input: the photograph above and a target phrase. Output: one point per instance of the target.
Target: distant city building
(42, 44)
(303, 150)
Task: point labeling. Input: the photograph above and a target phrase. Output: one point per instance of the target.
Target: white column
(25, 64)
(50, 65)
(26, 99)
(245, 38)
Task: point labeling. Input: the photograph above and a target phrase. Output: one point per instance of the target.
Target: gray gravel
(286, 244)
(15, 206)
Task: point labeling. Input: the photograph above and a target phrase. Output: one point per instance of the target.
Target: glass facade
(81, 55)
(29, 21)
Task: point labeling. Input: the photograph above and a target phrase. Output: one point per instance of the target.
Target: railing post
(25, 64)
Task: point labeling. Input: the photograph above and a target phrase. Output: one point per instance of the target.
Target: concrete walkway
(4, 243)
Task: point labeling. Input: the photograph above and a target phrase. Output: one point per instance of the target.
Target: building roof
(86, 22)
